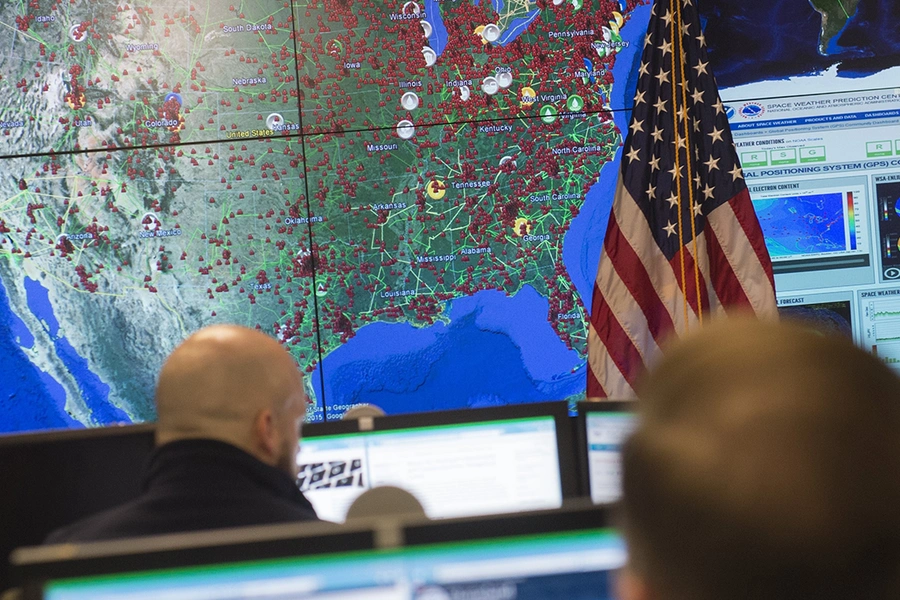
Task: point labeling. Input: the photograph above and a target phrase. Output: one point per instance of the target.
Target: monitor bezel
(53, 436)
(559, 410)
(42, 565)
(585, 407)
(36, 566)
(42, 501)
(575, 515)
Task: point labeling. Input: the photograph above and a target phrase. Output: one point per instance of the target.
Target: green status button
(787, 156)
(575, 103)
(812, 154)
(754, 159)
(548, 113)
(882, 148)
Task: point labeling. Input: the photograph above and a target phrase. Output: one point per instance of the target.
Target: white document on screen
(332, 473)
(605, 435)
(457, 470)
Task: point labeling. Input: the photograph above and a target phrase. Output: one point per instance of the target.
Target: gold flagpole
(669, 17)
(682, 56)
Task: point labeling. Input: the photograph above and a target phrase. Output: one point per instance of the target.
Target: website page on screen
(605, 434)
(575, 566)
(453, 470)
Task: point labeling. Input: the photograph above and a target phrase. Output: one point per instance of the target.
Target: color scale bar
(851, 220)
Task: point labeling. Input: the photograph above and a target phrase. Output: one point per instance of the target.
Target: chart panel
(880, 311)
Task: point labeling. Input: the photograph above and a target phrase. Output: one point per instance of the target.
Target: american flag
(683, 243)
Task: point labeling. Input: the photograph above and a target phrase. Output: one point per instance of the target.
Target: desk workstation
(456, 463)
(560, 553)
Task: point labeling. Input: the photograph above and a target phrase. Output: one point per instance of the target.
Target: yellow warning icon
(436, 189)
(527, 96)
(521, 227)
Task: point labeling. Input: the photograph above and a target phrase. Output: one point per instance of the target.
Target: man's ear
(267, 435)
(629, 586)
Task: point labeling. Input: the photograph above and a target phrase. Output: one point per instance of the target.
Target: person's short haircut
(766, 466)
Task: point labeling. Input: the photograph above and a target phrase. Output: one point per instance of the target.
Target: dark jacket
(197, 484)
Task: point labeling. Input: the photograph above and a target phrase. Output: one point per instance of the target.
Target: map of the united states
(314, 169)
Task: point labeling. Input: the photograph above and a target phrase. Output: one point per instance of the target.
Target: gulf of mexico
(495, 350)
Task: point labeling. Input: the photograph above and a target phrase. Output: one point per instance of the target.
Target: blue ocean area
(20, 332)
(490, 354)
(29, 398)
(772, 40)
(38, 298)
(834, 44)
(584, 240)
(94, 391)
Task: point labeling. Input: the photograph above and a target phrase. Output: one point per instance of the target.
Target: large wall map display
(403, 193)
(411, 195)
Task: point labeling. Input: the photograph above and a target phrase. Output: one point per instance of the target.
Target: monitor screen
(605, 432)
(573, 565)
(813, 104)
(53, 479)
(454, 470)
(37, 569)
(398, 191)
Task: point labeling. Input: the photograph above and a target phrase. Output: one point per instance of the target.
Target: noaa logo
(729, 112)
(752, 110)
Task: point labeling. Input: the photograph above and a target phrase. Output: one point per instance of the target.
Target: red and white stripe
(639, 298)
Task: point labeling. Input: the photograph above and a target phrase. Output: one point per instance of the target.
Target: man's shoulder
(196, 485)
(119, 522)
(159, 515)
(278, 509)
(143, 518)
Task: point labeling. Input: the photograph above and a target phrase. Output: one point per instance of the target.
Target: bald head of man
(234, 385)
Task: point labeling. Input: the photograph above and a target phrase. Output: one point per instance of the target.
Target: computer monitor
(457, 463)
(178, 565)
(54, 479)
(602, 428)
(546, 561)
